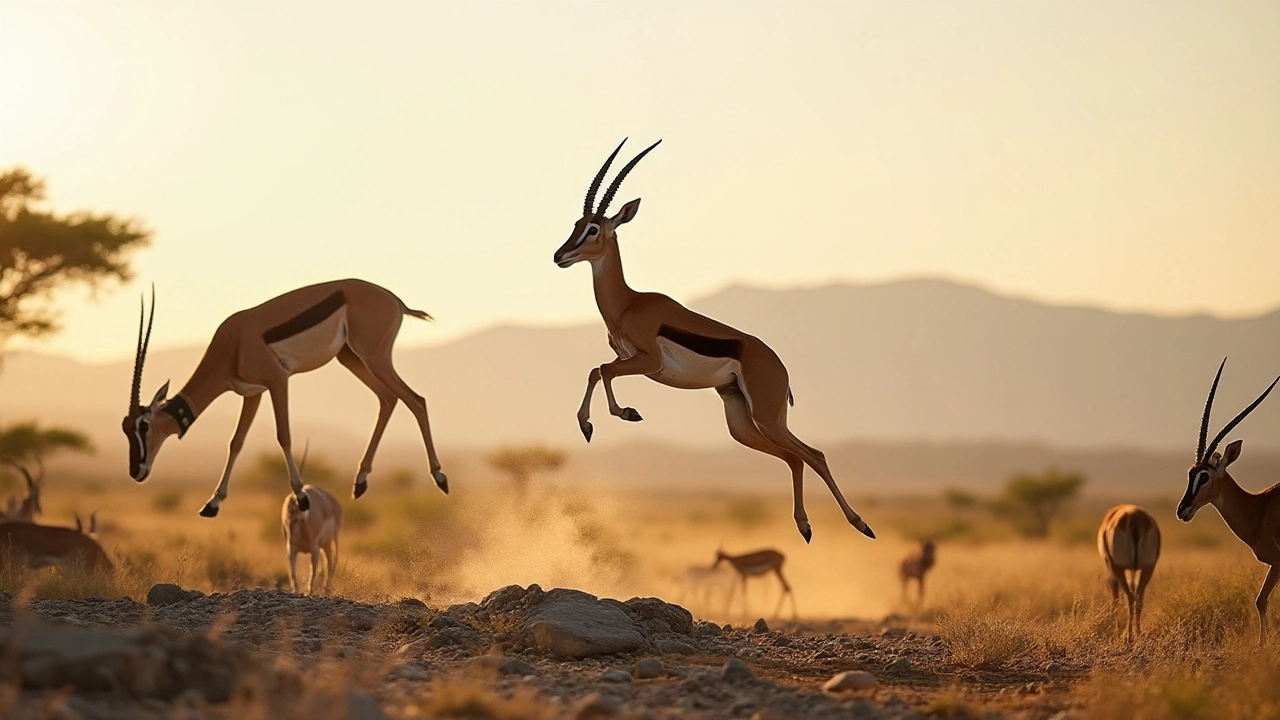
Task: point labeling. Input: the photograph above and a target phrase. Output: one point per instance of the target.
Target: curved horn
(1208, 406)
(1243, 413)
(617, 181)
(140, 355)
(595, 183)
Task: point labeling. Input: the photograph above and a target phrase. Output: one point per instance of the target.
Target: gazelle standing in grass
(40, 545)
(756, 564)
(655, 336)
(1255, 519)
(258, 349)
(1129, 542)
(311, 531)
(914, 566)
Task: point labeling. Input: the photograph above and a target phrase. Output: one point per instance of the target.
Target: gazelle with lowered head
(1255, 519)
(914, 566)
(26, 509)
(258, 349)
(756, 564)
(311, 531)
(1129, 542)
(655, 336)
(40, 545)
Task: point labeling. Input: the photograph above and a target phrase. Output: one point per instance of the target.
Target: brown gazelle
(1129, 542)
(258, 349)
(26, 509)
(1255, 519)
(40, 545)
(755, 564)
(658, 337)
(915, 566)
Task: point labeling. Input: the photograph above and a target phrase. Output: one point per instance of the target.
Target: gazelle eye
(592, 230)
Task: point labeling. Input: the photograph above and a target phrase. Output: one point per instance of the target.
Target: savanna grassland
(1009, 627)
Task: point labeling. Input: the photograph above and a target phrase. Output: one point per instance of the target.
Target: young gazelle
(311, 531)
(26, 509)
(1129, 541)
(40, 545)
(754, 564)
(1255, 519)
(258, 349)
(661, 339)
(914, 566)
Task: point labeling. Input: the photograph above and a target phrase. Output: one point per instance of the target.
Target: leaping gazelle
(1255, 519)
(658, 337)
(258, 349)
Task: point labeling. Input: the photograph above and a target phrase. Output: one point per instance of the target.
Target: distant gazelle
(40, 545)
(1255, 519)
(756, 564)
(26, 509)
(659, 338)
(1129, 541)
(914, 566)
(258, 349)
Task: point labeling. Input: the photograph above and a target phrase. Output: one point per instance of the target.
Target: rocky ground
(521, 652)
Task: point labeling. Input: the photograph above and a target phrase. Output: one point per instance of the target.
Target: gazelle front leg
(280, 404)
(639, 364)
(247, 412)
(584, 410)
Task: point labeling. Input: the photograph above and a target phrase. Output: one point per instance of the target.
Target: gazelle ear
(161, 394)
(93, 522)
(79, 525)
(626, 214)
(1231, 454)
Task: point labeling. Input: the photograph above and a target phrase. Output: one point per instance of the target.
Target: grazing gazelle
(1129, 541)
(914, 566)
(40, 545)
(311, 531)
(661, 339)
(1255, 519)
(258, 349)
(26, 509)
(754, 564)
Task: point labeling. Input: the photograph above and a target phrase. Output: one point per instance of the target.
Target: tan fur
(39, 545)
(914, 566)
(360, 334)
(311, 532)
(1129, 542)
(755, 564)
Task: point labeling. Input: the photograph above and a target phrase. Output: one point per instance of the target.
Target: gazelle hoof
(585, 425)
(806, 532)
(630, 415)
(866, 530)
(209, 510)
(442, 482)
(304, 502)
(359, 488)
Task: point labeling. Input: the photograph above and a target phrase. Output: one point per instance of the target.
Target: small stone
(166, 594)
(362, 620)
(410, 671)
(893, 632)
(850, 681)
(673, 647)
(411, 602)
(760, 626)
(727, 627)
(597, 707)
(901, 664)
(735, 670)
(649, 668)
(748, 652)
(616, 676)
(824, 654)
(782, 641)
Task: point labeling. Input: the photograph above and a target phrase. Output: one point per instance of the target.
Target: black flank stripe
(701, 344)
(306, 319)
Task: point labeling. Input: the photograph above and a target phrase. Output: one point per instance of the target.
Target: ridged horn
(617, 181)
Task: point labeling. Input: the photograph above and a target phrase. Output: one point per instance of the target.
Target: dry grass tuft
(475, 698)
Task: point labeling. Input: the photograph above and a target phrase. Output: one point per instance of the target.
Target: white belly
(683, 368)
(314, 346)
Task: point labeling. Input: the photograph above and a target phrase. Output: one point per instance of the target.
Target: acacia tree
(41, 252)
(1031, 503)
(25, 446)
(522, 463)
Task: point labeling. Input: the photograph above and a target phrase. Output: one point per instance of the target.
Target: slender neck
(204, 386)
(1241, 509)
(612, 292)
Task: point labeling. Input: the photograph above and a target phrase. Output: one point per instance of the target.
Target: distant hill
(922, 360)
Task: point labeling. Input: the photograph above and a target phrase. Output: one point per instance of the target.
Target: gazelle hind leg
(742, 428)
(386, 404)
(1143, 578)
(379, 364)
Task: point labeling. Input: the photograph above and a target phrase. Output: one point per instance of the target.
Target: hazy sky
(1125, 154)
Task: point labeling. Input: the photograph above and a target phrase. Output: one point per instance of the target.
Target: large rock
(658, 616)
(573, 624)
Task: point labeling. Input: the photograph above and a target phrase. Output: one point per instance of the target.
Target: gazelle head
(145, 426)
(928, 548)
(1205, 475)
(594, 235)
